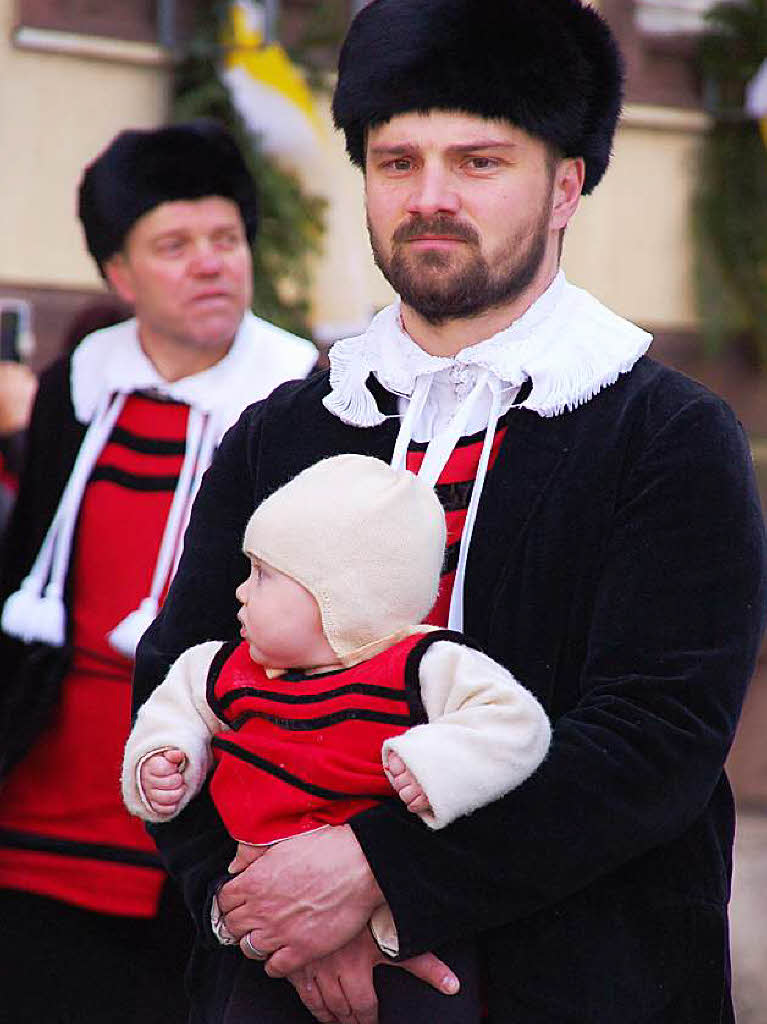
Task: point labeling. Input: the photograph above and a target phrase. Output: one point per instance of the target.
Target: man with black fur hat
(605, 544)
(121, 433)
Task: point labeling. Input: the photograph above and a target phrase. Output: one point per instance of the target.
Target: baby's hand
(162, 781)
(406, 785)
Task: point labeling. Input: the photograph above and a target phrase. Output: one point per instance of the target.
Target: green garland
(730, 202)
(291, 222)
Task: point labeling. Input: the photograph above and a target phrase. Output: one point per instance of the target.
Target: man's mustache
(439, 225)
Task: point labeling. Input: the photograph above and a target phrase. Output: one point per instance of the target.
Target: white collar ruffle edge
(568, 344)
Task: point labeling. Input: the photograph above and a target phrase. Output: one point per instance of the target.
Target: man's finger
(310, 995)
(284, 962)
(361, 997)
(433, 971)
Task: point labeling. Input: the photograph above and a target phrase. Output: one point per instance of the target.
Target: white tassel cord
(437, 455)
(36, 611)
(126, 634)
(455, 615)
(210, 435)
(413, 411)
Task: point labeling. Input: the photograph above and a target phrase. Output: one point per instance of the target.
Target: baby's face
(281, 621)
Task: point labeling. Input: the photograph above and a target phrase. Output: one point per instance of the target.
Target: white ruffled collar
(112, 360)
(568, 344)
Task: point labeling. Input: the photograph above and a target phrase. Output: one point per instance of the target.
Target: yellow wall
(57, 112)
(630, 241)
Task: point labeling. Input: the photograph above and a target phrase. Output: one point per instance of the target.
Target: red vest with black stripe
(305, 751)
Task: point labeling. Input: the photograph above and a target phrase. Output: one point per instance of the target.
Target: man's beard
(475, 286)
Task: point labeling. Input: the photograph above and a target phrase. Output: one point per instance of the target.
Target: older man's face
(460, 211)
(186, 267)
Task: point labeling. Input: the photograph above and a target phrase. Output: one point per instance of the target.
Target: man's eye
(171, 247)
(227, 241)
(482, 163)
(399, 164)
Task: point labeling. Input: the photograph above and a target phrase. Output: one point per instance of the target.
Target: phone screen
(10, 328)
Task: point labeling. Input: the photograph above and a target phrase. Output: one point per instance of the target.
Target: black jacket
(617, 568)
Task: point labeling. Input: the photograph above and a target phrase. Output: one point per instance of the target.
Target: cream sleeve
(177, 714)
(485, 735)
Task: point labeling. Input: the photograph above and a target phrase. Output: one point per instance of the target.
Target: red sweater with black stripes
(305, 751)
(72, 838)
(454, 488)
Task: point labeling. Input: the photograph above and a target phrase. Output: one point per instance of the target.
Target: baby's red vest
(305, 751)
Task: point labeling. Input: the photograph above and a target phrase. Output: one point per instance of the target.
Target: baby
(337, 696)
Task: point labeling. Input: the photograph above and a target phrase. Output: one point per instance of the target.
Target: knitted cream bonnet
(367, 542)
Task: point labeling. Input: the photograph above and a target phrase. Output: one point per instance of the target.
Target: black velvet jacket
(617, 568)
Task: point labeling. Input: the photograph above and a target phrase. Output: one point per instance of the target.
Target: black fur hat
(139, 170)
(551, 67)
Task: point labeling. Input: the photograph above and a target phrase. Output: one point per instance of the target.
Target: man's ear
(118, 274)
(568, 185)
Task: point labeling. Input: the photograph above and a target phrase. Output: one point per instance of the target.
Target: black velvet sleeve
(52, 442)
(201, 605)
(636, 763)
(30, 676)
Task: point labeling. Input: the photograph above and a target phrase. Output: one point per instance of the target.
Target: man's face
(460, 211)
(186, 268)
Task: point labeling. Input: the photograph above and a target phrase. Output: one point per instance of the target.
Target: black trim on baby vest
(294, 780)
(366, 689)
(322, 721)
(222, 655)
(413, 664)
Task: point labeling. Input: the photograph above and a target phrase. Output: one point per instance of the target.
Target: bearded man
(605, 544)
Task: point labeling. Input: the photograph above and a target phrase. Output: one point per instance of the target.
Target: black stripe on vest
(324, 721)
(14, 840)
(364, 689)
(293, 780)
(132, 481)
(452, 552)
(455, 497)
(146, 445)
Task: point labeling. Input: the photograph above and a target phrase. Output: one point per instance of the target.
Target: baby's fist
(162, 781)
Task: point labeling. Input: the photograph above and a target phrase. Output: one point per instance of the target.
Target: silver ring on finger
(258, 954)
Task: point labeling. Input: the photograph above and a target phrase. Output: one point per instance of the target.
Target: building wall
(629, 242)
(58, 110)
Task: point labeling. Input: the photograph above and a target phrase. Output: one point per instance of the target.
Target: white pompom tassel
(31, 616)
(126, 635)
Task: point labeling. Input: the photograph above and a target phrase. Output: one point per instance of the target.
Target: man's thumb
(433, 971)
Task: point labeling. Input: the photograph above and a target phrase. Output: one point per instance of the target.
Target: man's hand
(18, 387)
(339, 988)
(303, 899)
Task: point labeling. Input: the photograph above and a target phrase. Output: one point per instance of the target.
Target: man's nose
(206, 261)
(433, 192)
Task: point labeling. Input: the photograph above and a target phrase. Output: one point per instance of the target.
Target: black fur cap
(139, 170)
(551, 67)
